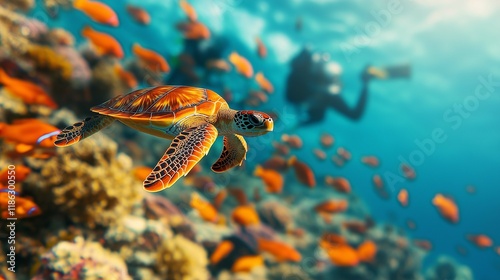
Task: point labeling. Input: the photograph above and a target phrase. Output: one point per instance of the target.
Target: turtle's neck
(224, 121)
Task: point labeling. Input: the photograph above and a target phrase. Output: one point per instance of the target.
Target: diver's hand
(365, 74)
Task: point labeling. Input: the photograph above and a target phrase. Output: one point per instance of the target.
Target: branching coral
(182, 259)
(87, 183)
(81, 260)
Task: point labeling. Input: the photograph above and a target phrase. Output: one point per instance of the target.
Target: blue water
(449, 44)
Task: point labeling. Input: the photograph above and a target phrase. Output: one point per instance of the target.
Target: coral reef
(18, 4)
(137, 240)
(81, 260)
(447, 268)
(182, 259)
(47, 60)
(87, 183)
(105, 83)
(287, 271)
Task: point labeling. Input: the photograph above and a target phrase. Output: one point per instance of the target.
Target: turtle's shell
(162, 102)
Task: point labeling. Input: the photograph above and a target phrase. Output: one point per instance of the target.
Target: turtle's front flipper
(81, 130)
(185, 151)
(233, 154)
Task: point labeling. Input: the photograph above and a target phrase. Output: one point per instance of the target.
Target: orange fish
(205, 209)
(480, 240)
(264, 83)
(19, 172)
(97, 11)
(28, 92)
(411, 224)
(202, 183)
(23, 151)
(241, 64)
(332, 206)
(218, 65)
(497, 250)
(343, 255)
(377, 181)
(30, 132)
(293, 141)
(239, 195)
(470, 189)
(371, 161)
(303, 172)
(272, 179)
(126, 77)
(367, 251)
(153, 61)
(408, 171)
(338, 160)
(222, 250)
(245, 215)
(104, 44)
(24, 207)
(327, 140)
(261, 49)
(329, 239)
(256, 195)
(446, 207)
(141, 172)
(277, 163)
(256, 98)
(282, 149)
(193, 30)
(340, 184)
(359, 227)
(345, 154)
(247, 263)
(282, 252)
(403, 197)
(423, 244)
(189, 10)
(139, 14)
(219, 198)
(320, 154)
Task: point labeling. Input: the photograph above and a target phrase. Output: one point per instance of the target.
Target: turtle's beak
(269, 125)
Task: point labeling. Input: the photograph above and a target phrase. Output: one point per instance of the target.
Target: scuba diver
(315, 82)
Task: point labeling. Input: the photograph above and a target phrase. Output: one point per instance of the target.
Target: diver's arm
(357, 111)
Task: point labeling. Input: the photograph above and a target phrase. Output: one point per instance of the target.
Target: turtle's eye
(254, 120)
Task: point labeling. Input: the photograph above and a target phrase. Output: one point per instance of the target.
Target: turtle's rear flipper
(81, 130)
(233, 154)
(185, 151)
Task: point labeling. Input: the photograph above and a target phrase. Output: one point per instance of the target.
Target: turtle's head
(252, 123)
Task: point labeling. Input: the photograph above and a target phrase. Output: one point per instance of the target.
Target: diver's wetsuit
(317, 109)
(308, 83)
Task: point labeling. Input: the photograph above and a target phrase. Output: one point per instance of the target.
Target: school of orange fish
(31, 137)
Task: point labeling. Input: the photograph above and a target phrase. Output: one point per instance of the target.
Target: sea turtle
(192, 117)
